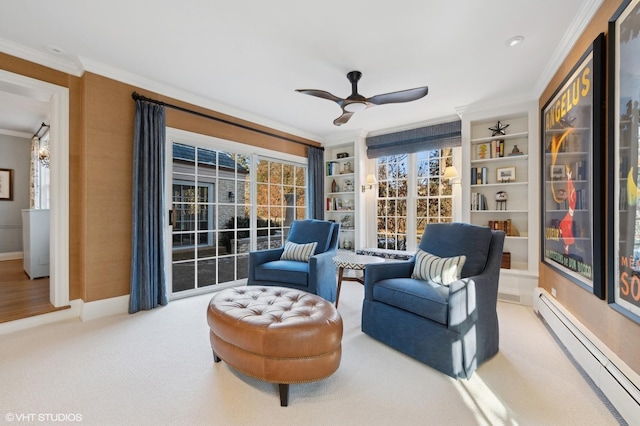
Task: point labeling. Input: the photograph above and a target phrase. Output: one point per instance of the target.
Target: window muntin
(412, 190)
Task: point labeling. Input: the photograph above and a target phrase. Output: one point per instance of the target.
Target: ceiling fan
(356, 102)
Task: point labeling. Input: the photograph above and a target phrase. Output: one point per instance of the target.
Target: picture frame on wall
(624, 166)
(6, 184)
(572, 197)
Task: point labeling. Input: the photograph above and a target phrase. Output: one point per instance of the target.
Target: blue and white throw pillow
(440, 270)
(298, 252)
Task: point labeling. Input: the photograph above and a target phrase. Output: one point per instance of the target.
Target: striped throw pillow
(440, 270)
(298, 252)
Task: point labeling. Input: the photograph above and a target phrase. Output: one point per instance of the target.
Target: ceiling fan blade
(321, 94)
(346, 115)
(401, 96)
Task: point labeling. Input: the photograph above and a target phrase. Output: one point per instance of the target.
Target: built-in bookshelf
(340, 186)
(500, 188)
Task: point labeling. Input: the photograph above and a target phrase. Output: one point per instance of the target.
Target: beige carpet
(156, 368)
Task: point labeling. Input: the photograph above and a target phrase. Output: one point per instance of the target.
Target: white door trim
(59, 208)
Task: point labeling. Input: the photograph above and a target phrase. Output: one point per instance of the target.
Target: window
(280, 199)
(411, 194)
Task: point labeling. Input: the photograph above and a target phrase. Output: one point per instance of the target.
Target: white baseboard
(517, 286)
(104, 308)
(11, 256)
(35, 321)
(84, 311)
(616, 380)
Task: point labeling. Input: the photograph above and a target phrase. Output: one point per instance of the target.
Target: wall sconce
(371, 180)
(451, 173)
(44, 156)
(232, 196)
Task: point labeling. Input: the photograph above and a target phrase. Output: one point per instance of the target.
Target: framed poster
(624, 114)
(572, 173)
(6, 184)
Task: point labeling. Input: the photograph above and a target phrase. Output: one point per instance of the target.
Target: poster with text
(572, 172)
(624, 30)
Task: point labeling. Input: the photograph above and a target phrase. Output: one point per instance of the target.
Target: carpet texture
(156, 367)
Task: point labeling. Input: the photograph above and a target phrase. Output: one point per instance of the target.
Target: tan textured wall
(100, 163)
(615, 330)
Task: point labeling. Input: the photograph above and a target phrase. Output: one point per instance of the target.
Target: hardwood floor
(21, 297)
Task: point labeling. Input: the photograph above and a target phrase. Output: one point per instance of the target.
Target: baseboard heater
(610, 374)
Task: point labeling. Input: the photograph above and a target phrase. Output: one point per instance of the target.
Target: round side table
(356, 262)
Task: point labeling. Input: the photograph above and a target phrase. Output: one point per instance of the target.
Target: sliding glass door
(210, 192)
(225, 203)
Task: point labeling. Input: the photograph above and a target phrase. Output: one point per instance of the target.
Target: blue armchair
(317, 276)
(451, 328)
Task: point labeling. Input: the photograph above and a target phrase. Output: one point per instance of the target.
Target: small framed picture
(6, 184)
(557, 172)
(506, 174)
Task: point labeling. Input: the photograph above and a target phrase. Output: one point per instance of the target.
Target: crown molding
(573, 33)
(113, 73)
(482, 107)
(59, 63)
(79, 65)
(16, 134)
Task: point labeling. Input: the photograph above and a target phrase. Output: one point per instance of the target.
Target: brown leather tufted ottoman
(275, 334)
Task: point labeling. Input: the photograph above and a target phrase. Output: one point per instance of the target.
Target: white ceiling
(247, 58)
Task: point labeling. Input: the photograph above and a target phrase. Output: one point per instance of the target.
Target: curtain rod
(136, 96)
(38, 131)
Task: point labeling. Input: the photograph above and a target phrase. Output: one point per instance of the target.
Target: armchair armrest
(260, 257)
(462, 304)
(375, 272)
(263, 256)
(322, 275)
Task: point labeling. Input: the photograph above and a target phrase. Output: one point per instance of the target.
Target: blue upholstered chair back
(455, 239)
(310, 230)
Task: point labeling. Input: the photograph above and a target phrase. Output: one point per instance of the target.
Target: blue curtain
(316, 182)
(148, 279)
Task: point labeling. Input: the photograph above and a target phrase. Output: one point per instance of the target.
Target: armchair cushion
(283, 271)
(423, 298)
(298, 252)
(439, 270)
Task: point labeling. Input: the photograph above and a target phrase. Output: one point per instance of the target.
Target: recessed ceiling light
(55, 49)
(514, 41)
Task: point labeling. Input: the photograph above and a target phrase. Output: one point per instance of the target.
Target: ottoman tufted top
(275, 321)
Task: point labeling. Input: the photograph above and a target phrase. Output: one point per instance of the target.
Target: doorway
(58, 98)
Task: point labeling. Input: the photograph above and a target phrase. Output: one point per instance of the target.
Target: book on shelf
(501, 225)
(504, 225)
(333, 168)
(479, 176)
(580, 170)
(497, 148)
(478, 201)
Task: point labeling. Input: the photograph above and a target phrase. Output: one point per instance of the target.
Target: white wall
(14, 154)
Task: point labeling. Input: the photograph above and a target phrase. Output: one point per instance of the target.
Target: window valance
(437, 136)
